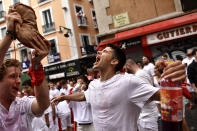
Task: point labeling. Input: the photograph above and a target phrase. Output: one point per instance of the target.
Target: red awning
(148, 29)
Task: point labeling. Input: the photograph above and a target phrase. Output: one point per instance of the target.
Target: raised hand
(11, 18)
(41, 49)
(174, 71)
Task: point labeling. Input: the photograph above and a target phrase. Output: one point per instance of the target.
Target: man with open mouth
(116, 99)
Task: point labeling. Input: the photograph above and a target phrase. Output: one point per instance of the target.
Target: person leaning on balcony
(16, 114)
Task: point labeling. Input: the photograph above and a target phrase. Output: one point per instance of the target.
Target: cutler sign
(172, 34)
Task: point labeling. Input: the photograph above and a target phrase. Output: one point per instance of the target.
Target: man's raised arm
(7, 39)
(79, 96)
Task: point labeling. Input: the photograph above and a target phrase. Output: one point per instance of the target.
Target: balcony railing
(40, 1)
(48, 27)
(82, 21)
(2, 14)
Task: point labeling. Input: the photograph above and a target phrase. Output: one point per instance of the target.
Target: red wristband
(37, 76)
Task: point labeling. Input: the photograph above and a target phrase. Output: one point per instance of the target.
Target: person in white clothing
(16, 114)
(38, 124)
(187, 61)
(64, 90)
(116, 99)
(148, 66)
(53, 91)
(148, 117)
(157, 77)
(50, 118)
(81, 110)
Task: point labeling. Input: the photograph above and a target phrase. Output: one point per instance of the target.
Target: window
(2, 13)
(94, 19)
(188, 5)
(40, 1)
(3, 32)
(16, 1)
(81, 18)
(53, 56)
(86, 47)
(53, 49)
(25, 58)
(47, 20)
(24, 55)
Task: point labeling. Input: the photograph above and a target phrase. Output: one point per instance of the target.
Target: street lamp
(61, 28)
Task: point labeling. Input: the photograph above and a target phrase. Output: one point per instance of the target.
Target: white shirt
(149, 69)
(63, 109)
(117, 102)
(149, 114)
(54, 93)
(65, 91)
(81, 111)
(19, 117)
(188, 62)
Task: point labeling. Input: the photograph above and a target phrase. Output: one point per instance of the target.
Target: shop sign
(130, 43)
(121, 20)
(54, 58)
(172, 34)
(56, 76)
(73, 68)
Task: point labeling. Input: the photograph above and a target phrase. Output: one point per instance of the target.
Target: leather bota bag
(28, 29)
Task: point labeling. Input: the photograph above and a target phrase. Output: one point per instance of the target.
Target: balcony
(82, 21)
(2, 16)
(48, 27)
(95, 22)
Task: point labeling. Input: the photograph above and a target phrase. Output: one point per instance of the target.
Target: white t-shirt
(149, 69)
(117, 102)
(149, 114)
(54, 93)
(188, 62)
(63, 110)
(19, 117)
(144, 76)
(65, 91)
(81, 111)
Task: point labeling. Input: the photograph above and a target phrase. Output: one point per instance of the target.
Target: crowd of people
(115, 101)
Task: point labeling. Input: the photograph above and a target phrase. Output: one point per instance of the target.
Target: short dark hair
(164, 55)
(146, 57)
(84, 78)
(194, 51)
(27, 83)
(63, 82)
(120, 55)
(131, 61)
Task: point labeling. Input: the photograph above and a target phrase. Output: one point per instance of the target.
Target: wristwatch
(10, 34)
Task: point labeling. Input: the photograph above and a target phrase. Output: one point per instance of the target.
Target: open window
(81, 17)
(49, 25)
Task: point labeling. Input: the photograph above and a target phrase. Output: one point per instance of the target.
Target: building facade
(70, 26)
(151, 28)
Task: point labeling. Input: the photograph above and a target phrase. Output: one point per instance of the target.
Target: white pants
(85, 127)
